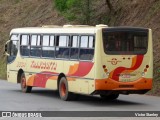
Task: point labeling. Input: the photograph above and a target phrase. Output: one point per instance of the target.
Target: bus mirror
(6, 48)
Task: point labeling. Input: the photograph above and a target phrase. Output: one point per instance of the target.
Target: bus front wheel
(24, 87)
(63, 90)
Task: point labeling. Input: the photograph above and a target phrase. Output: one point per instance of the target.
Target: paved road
(12, 99)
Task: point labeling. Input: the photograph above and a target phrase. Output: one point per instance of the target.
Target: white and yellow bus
(77, 59)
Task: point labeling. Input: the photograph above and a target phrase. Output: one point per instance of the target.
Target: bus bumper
(139, 86)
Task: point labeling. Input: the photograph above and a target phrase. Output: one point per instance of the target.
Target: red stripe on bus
(83, 69)
(41, 78)
(119, 70)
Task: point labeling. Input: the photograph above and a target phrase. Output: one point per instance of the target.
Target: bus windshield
(125, 41)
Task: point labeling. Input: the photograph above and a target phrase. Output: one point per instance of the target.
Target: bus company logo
(114, 61)
(43, 65)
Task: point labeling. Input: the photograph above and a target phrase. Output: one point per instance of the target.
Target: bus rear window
(125, 41)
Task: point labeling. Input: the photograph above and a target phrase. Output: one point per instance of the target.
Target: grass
(3, 68)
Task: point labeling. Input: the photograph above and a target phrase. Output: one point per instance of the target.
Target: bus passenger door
(11, 51)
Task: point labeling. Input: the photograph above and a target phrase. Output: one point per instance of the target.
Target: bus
(81, 59)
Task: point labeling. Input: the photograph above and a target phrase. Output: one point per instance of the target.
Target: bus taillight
(145, 70)
(104, 66)
(147, 66)
(105, 69)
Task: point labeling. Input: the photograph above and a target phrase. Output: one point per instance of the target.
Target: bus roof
(52, 30)
(65, 29)
(59, 29)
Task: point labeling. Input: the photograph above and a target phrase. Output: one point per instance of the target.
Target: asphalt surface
(12, 99)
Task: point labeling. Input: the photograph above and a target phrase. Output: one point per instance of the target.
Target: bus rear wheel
(63, 90)
(24, 87)
(109, 97)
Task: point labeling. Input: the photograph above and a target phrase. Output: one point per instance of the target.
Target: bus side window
(14, 48)
(35, 46)
(62, 48)
(48, 48)
(87, 47)
(74, 47)
(24, 45)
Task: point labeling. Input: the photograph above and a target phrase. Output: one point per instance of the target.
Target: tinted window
(52, 40)
(61, 46)
(14, 37)
(75, 41)
(74, 52)
(35, 40)
(45, 40)
(35, 46)
(12, 47)
(91, 42)
(62, 49)
(86, 48)
(125, 41)
(48, 49)
(24, 45)
(84, 41)
(25, 40)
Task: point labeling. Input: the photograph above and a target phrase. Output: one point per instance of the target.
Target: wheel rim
(63, 89)
(23, 82)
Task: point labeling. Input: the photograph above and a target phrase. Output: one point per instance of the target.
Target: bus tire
(63, 90)
(109, 97)
(24, 87)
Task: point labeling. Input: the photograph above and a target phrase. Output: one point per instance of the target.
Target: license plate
(126, 76)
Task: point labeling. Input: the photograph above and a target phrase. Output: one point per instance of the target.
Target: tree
(79, 10)
(108, 3)
(61, 5)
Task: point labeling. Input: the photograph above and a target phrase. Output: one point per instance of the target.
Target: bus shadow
(83, 99)
(42, 92)
(98, 101)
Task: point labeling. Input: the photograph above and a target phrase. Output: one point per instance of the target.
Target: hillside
(143, 13)
(24, 13)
